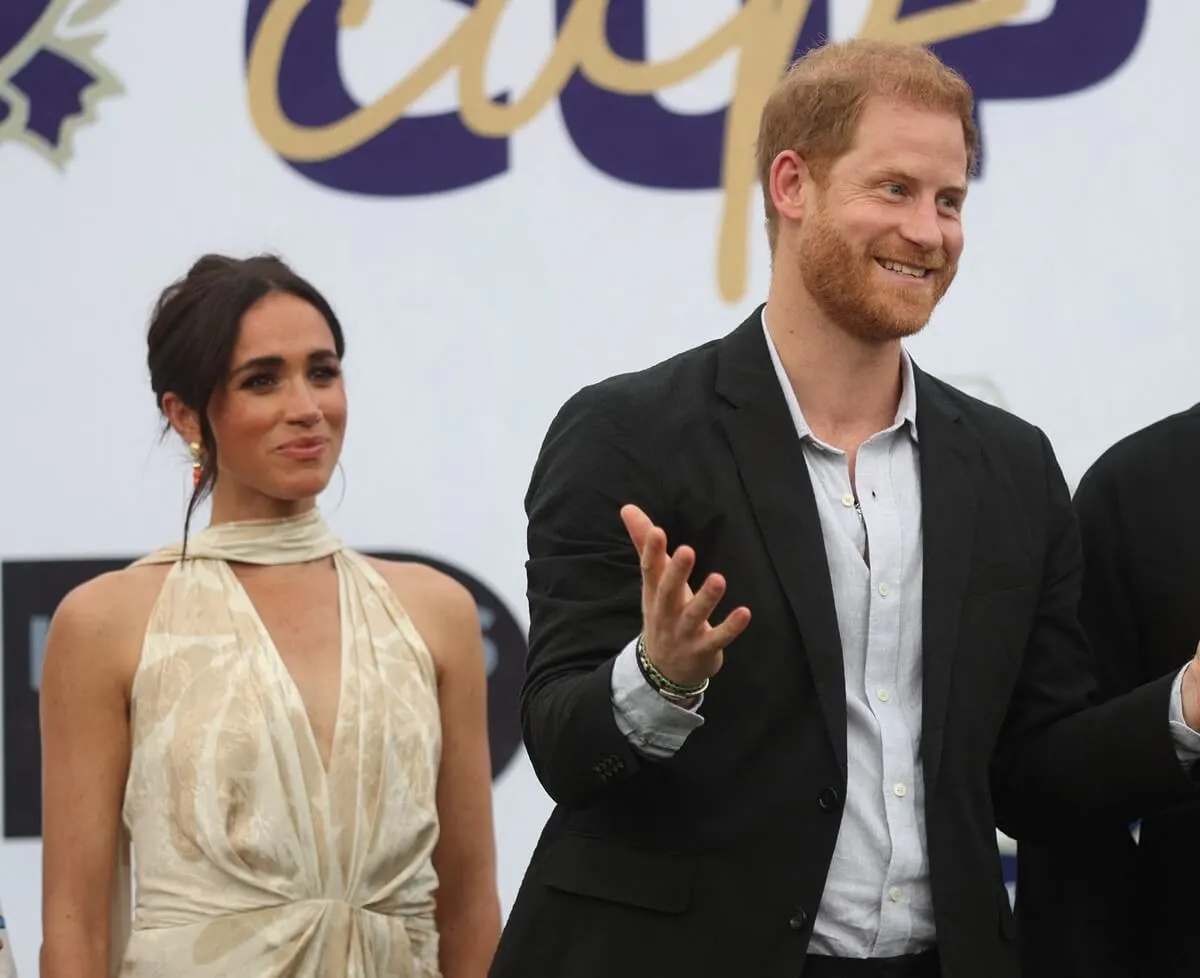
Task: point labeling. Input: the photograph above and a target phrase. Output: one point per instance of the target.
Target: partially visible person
(1097, 903)
(8, 966)
(293, 735)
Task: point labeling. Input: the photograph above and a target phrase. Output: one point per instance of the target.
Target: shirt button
(895, 894)
(901, 789)
(883, 695)
(848, 499)
(885, 589)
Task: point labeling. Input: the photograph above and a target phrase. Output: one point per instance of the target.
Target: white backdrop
(471, 314)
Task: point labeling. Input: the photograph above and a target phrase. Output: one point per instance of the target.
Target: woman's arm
(468, 906)
(85, 759)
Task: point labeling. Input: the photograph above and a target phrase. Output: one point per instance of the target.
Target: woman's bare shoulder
(440, 607)
(108, 613)
(107, 599)
(431, 588)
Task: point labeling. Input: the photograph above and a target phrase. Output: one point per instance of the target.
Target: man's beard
(853, 295)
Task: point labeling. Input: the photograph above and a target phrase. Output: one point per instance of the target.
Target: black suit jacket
(1095, 905)
(713, 863)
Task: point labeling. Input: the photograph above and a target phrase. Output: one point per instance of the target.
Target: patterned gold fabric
(249, 856)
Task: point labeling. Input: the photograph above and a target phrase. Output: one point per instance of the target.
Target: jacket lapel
(950, 457)
(770, 461)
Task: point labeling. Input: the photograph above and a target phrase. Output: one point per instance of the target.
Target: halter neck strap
(289, 540)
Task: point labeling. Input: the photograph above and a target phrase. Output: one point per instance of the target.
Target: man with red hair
(810, 784)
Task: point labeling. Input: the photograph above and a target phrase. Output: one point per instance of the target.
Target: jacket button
(827, 799)
(799, 919)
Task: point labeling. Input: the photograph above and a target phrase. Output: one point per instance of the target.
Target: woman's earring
(197, 463)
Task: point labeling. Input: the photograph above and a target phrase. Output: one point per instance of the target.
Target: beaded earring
(197, 463)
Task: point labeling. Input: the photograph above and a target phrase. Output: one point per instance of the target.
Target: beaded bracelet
(662, 685)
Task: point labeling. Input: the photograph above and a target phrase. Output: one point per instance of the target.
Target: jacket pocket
(604, 869)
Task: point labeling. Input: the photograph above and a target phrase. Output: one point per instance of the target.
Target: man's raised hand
(680, 641)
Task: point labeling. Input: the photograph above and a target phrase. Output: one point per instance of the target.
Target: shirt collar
(906, 410)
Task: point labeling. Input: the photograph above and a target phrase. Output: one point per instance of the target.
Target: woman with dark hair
(290, 736)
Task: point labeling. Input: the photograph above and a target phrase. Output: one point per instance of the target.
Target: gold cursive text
(763, 34)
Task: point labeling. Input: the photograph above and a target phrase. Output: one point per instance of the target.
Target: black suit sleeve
(1059, 764)
(1106, 608)
(1077, 897)
(584, 591)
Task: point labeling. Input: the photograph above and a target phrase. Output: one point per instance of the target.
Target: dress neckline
(281, 540)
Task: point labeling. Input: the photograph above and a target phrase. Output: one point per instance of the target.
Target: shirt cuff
(653, 724)
(1187, 740)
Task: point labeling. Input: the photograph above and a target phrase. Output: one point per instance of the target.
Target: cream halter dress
(250, 858)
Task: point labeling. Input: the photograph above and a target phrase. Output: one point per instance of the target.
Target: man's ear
(791, 185)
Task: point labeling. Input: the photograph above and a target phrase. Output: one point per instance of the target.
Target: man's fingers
(679, 615)
(637, 525)
(723, 634)
(700, 608)
(649, 541)
(673, 591)
(654, 557)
